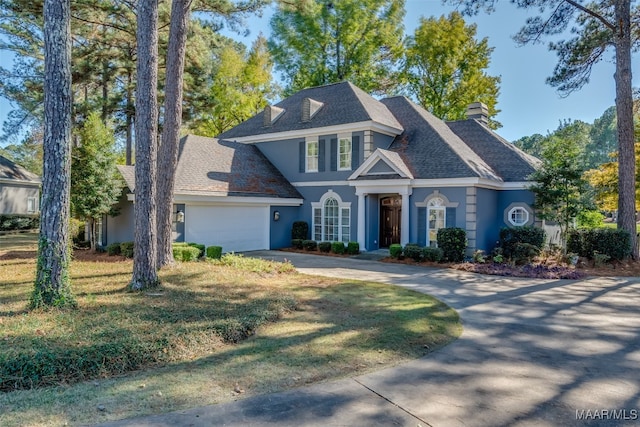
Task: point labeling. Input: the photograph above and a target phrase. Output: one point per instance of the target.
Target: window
(31, 205)
(331, 220)
(436, 219)
(344, 153)
(518, 216)
(312, 156)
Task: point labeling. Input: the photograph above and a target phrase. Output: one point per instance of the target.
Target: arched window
(331, 219)
(436, 219)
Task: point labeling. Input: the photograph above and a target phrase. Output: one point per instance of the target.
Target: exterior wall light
(180, 216)
(276, 215)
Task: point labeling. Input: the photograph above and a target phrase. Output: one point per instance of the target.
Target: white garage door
(235, 228)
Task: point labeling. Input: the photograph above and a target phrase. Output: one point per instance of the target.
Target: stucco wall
(281, 230)
(120, 227)
(13, 198)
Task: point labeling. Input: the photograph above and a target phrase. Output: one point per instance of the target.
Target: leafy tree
(558, 183)
(604, 139)
(319, 42)
(52, 284)
(445, 68)
(531, 144)
(595, 27)
(95, 180)
(28, 152)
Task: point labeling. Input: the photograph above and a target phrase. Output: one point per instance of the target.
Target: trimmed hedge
(432, 254)
(512, 236)
(201, 247)
(395, 250)
(186, 253)
(297, 243)
(113, 249)
(608, 241)
(413, 251)
(300, 230)
(353, 248)
(324, 247)
(214, 252)
(453, 242)
(18, 222)
(337, 248)
(126, 249)
(310, 245)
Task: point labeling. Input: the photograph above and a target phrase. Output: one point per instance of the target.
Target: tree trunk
(52, 284)
(146, 126)
(129, 115)
(624, 107)
(92, 233)
(168, 153)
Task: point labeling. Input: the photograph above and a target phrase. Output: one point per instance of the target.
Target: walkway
(533, 353)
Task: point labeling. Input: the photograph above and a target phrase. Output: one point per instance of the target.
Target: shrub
(524, 253)
(186, 253)
(479, 256)
(324, 247)
(432, 254)
(300, 230)
(353, 248)
(608, 241)
(214, 252)
(413, 251)
(453, 242)
(113, 249)
(310, 245)
(202, 248)
(395, 250)
(18, 222)
(297, 243)
(590, 219)
(511, 236)
(337, 247)
(126, 249)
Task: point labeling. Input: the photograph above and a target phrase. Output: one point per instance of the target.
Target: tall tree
(145, 273)
(604, 140)
(52, 284)
(595, 27)
(95, 180)
(445, 68)
(320, 42)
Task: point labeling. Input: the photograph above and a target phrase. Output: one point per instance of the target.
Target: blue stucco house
(355, 168)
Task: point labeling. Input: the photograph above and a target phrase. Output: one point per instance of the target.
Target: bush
(337, 248)
(353, 248)
(432, 254)
(186, 253)
(608, 241)
(413, 251)
(214, 252)
(511, 236)
(590, 219)
(202, 248)
(300, 230)
(395, 250)
(113, 249)
(126, 249)
(18, 222)
(297, 243)
(310, 245)
(524, 253)
(453, 242)
(324, 247)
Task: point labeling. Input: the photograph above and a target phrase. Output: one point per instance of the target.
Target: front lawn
(212, 333)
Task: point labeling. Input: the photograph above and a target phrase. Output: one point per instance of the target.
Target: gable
(380, 168)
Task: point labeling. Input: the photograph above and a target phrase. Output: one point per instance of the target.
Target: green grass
(212, 328)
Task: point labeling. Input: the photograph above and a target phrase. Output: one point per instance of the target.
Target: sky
(528, 105)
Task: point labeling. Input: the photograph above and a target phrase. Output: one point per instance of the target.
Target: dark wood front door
(390, 214)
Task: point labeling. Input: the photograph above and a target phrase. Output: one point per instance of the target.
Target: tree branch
(592, 13)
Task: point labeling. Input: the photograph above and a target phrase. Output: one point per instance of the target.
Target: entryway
(390, 220)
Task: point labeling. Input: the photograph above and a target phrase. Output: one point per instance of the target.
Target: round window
(518, 216)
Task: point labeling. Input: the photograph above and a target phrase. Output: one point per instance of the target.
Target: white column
(404, 221)
(361, 221)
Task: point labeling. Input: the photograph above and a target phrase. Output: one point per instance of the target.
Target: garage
(236, 228)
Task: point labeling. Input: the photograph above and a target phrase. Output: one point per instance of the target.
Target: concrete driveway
(533, 353)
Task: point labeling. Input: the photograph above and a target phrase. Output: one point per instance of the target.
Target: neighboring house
(353, 167)
(19, 190)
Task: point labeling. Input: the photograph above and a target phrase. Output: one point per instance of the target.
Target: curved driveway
(533, 353)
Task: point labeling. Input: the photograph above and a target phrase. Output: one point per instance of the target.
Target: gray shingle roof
(511, 163)
(207, 166)
(343, 103)
(430, 148)
(11, 170)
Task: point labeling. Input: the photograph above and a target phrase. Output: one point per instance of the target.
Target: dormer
(271, 114)
(309, 108)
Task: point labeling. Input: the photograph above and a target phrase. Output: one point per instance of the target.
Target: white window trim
(518, 205)
(521, 209)
(33, 200)
(306, 154)
(445, 204)
(342, 137)
(320, 205)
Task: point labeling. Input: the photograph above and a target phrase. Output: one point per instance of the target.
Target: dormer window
(344, 153)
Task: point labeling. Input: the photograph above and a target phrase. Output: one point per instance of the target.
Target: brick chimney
(271, 114)
(309, 108)
(478, 111)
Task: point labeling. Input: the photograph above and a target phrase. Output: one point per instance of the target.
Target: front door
(390, 214)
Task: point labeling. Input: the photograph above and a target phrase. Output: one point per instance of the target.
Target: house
(355, 168)
(19, 190)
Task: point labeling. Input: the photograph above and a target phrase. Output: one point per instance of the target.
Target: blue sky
(528, 105)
